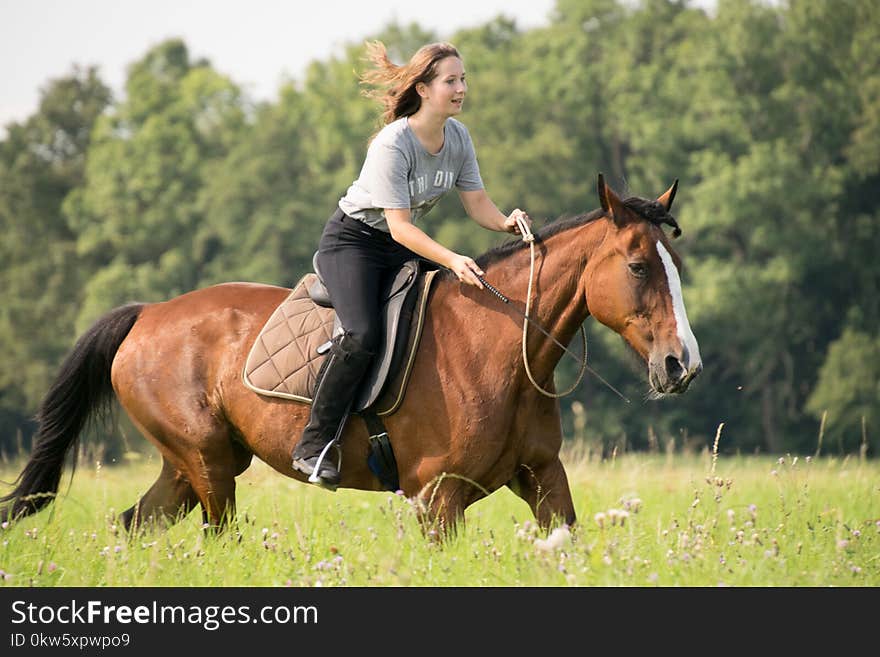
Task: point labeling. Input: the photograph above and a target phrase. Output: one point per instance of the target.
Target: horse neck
(558, 302)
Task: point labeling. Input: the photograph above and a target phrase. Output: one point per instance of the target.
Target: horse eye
(638, 269)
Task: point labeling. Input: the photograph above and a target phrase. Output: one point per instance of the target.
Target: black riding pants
(355, 261)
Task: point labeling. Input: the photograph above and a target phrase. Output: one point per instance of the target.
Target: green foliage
(767, 113)
(848, 389)
(41, 162)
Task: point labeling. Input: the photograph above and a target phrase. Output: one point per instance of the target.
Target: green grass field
(643, 520)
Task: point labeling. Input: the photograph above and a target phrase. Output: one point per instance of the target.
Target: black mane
(648, 210)
(545, 232)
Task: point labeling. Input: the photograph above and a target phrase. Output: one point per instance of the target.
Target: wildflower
(607, 560)
(118, 549)
(653, 577)
(856, 533)
(4, 525)
(773, 473)
(808, 459)
(558, 538)
(600, 520)
(842, 544)
(731, 515)
(781, 460)
(52, 567)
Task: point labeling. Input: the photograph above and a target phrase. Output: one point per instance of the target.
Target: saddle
(288, 352)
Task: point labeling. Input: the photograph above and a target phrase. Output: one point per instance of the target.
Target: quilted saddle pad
(284, 360)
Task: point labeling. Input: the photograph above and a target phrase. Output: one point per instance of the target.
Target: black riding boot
(336, 385)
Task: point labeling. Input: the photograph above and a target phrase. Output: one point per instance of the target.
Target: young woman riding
(420, 154)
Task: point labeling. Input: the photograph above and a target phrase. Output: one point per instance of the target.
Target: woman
(420, 154)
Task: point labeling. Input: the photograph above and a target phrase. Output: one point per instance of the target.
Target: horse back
(188, 336)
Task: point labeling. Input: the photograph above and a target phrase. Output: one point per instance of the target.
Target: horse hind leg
(212, 471)
(199, 467)
(169, 499)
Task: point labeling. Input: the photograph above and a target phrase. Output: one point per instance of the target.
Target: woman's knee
(361, 340)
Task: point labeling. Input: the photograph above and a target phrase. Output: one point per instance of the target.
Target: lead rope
(528, 237)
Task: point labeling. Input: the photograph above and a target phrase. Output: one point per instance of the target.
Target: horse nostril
(674, 370)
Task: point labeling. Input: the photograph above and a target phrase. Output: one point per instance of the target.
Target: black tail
(81, 392)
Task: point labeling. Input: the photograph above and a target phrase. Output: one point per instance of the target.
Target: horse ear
(666, 199)
(611, 203)
(600, 186)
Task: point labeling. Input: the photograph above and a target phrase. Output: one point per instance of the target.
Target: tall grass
(644, 520)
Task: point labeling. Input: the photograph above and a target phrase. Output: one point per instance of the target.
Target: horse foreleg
(441, 505)
(545, 489)
(169, 498)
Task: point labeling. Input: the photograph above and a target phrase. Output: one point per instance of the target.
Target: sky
(257, 43)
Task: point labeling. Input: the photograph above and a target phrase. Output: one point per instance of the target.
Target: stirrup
(314, 478)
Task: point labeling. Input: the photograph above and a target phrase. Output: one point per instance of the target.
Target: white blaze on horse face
(682, 326)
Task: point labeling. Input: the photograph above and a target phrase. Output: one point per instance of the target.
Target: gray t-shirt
(399, 173)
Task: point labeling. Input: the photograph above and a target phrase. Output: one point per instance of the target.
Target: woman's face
(444, 95)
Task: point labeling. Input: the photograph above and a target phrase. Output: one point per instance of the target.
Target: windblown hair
(395, 86)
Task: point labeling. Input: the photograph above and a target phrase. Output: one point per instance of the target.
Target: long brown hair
(395, 86)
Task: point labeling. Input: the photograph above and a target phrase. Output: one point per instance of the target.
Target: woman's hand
(466, 270)
(511, 225)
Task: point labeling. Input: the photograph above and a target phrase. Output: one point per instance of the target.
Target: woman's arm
(481, 209)
(416, 240)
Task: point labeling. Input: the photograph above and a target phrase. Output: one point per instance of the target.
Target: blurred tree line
(769, 114)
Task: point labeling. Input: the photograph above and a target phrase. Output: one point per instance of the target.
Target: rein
(527, 236)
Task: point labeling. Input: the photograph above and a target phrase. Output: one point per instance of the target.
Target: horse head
(632, 285)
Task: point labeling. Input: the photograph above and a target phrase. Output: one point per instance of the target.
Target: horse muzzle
(670, 376)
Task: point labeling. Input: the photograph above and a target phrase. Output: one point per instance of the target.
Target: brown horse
(470, 412)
